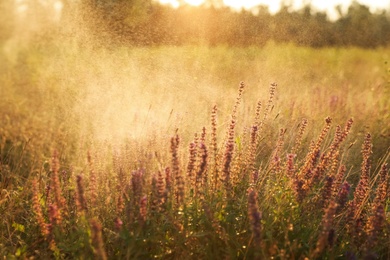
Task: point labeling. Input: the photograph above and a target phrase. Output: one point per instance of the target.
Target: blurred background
(77, 70)
(207, 22)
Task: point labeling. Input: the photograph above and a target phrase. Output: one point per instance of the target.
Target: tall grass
(151, 153)
(245, 202)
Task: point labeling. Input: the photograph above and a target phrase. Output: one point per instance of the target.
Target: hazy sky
(274, 4)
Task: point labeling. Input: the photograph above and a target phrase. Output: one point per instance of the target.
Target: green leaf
(18, 227)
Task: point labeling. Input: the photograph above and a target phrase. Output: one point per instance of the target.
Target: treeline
(150, 23)
(147, 22)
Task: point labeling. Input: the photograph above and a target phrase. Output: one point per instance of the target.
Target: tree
(360, 27)
(110, 21)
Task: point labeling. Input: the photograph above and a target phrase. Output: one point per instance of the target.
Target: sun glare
(194, 2)
(175, 3)
(274, 5)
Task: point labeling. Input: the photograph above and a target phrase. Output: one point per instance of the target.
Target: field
(194, 152)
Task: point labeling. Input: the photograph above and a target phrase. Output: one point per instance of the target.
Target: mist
(105, 90)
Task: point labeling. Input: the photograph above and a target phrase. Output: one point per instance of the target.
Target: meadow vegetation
(194, 152)
(150, 153)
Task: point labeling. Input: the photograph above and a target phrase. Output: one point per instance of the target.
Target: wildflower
(255, 217)
(97, 240)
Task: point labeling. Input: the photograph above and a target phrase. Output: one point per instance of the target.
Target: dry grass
(245, 202)
(151, 153)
